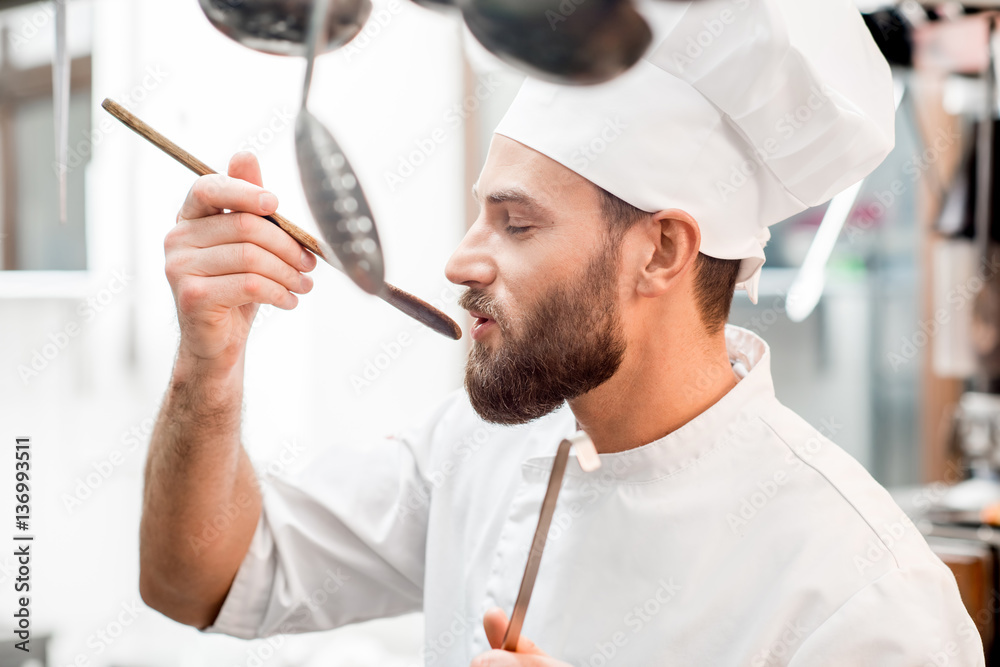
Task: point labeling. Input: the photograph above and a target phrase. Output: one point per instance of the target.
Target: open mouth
(482, 325)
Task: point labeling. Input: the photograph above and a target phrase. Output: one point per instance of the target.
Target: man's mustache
(480, 301)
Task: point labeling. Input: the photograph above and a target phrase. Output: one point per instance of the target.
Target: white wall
(210, 95)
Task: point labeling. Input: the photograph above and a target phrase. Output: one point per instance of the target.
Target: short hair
(714, 279)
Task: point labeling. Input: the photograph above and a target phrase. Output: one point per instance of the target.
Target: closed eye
(515, 230)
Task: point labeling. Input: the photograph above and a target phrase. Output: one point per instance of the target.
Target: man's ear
(673, 239)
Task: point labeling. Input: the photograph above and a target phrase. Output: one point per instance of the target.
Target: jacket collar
(750, 357)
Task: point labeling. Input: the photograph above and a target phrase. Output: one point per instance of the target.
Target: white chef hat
(742, 113)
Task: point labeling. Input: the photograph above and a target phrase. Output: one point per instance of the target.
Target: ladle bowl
(557, 40)
(280, 27)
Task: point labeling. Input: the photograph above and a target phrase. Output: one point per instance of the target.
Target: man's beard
(570, 343)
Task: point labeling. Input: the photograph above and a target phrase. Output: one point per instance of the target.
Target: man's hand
(221, 266)
(528, 655)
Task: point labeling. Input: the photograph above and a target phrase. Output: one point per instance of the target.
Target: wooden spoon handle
(405, 302)
(516, 622)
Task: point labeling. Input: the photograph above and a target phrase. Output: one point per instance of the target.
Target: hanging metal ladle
(280, 27)
(331, 187)
(60, 100)
(336, 200)
(588, 43)
(579, 43)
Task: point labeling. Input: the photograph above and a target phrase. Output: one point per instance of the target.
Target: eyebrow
(513, 196)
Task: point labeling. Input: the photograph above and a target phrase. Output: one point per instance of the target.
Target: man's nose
(471, 264)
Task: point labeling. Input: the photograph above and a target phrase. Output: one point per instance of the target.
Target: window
(31, 235)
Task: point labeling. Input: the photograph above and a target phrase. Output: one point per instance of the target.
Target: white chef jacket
(745, 537)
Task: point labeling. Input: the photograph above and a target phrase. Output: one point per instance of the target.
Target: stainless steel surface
(558, 40)
(315, 34)
(60, 99)
(331, 187)
(280, 27)
(595, 43)
(338, 204)
(975, 433)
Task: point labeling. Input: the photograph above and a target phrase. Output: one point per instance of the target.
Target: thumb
(495, 623)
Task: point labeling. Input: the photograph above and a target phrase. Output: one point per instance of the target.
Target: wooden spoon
(403, 301)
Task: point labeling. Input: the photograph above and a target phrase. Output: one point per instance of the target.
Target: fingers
(244, 165)
(497, 658)
(495, 624)
(234, 258)
(205, 295)
(212, 194)
(227, 228)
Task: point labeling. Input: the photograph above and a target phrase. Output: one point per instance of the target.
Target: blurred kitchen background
(88, 329)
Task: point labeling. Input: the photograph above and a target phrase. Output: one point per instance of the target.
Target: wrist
(226, 369)
(206, 395)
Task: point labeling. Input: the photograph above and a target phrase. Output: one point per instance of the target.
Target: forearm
(201, 501)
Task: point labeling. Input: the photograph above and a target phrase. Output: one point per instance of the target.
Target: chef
(615, 223)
